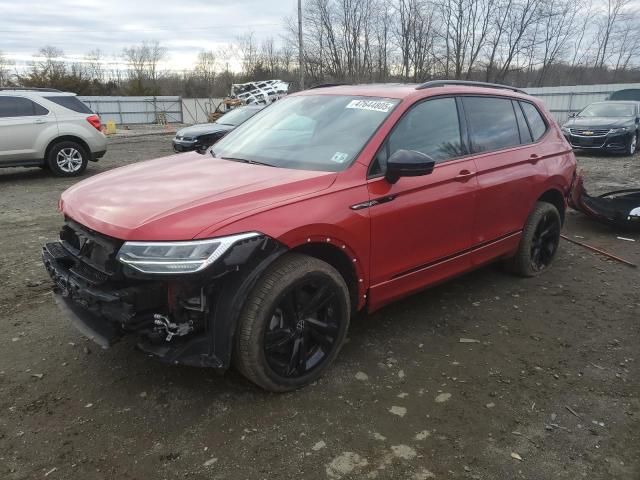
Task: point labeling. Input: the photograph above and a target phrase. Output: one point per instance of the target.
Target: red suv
(330, 201)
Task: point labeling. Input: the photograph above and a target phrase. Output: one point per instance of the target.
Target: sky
(183, 26)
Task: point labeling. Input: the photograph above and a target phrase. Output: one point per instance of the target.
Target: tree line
(520, 42)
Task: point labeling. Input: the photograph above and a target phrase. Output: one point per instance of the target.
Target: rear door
(508, 170)
(421, 226)
(21, 120)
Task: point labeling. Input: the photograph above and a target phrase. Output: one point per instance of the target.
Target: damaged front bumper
(187, 319)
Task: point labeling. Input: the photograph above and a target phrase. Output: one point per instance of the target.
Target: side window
(430, 127)
(536, 122)
(492, 123)
(39, 109)
(525, 134)
(18, 107)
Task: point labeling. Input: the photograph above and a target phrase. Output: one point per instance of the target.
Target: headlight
(619, 130)
(565, 129)
(177, 257)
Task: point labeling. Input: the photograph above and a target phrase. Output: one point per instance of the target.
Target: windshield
(307, 132)
(237, 116)
(608, 110)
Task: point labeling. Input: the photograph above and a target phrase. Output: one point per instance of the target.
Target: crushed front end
(179, 317)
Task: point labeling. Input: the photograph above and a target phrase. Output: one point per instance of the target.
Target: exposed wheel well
(555, 198)
(339, 260)
(67, 138)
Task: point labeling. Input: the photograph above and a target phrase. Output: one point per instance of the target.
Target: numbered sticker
(374, 105)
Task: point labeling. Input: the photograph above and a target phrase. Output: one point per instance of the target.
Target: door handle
(39, 120)
(464, 175)
(533, 158)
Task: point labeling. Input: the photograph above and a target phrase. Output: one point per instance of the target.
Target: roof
(407, 90)
(43, 92)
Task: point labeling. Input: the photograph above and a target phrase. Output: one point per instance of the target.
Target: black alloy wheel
(544, 243)
(304, 327)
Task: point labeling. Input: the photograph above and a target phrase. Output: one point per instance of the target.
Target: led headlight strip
(177, 257)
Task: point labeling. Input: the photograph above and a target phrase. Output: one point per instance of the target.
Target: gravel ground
(547, 389)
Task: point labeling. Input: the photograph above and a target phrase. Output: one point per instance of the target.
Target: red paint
(466, 213)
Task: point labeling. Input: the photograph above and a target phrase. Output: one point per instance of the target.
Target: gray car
(49, 129)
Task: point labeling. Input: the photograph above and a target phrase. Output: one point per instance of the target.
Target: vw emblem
(300, 325)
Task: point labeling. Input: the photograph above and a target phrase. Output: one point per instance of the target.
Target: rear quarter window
(492, 123)
(70, 102)
(536, 123)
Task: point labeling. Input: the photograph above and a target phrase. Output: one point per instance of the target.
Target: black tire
(67, 159)
(277, 323)
(539, 242)
(632, 146)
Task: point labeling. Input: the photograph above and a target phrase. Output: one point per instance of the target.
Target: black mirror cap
(408, 163)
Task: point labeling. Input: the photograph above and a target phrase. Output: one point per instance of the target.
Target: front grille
(88, 273)
(597, 132)
(95, 250)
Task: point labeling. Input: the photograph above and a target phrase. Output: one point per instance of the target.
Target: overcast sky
(183, 26)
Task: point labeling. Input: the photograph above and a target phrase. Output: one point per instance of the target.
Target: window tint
(431, 127)
(525, 134)
(71, 102)
(492, 123)
(536, 123)
(39, 109)
(19, 107)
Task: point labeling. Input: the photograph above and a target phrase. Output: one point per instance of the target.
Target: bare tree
(249, 52)
(95, 65)
(557, 24)
(142, 62)
(606, 29)
(5, 65)
(207, 68)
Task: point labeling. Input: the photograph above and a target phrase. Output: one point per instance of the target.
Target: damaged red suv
(330, 201)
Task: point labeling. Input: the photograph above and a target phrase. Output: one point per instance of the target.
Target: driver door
(421, 227)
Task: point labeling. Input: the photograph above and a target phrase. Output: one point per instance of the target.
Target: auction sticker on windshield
(375, 105)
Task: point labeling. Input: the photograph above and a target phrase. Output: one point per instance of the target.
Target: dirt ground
(549, 390)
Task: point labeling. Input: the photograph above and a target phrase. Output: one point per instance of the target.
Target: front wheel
(539, 242)
(632, 145)
(293, 323)
(67, 159)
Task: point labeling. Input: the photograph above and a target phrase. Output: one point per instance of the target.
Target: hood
(177, 197)
(203, 129)
(599, 122)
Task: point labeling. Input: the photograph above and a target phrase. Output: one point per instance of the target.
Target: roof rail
(469, 83)
(327, 85)
(30, 89)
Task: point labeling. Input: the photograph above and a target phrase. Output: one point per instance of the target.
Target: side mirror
(408, 163)
(573, 114)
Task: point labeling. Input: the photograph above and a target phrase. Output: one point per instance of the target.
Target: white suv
(49, 129)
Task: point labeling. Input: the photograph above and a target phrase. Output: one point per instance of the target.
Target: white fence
(197, 110)
(561, 101)
(136, 110)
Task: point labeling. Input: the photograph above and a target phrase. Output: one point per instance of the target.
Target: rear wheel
(67, 159)
(293, 324)
(539, 242)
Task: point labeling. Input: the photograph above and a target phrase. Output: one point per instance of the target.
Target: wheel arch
(555, 198)
(338, 258)
(67, 138)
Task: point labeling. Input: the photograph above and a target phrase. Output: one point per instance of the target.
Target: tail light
(95, 122)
